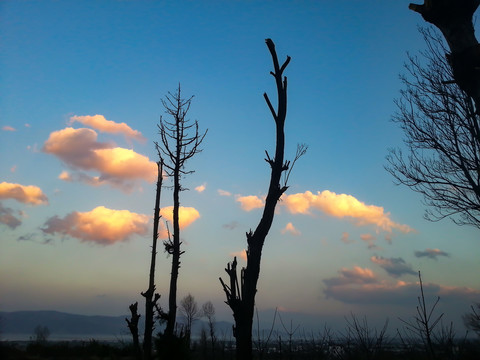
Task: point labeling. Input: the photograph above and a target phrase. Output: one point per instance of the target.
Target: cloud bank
(362, 286)
(101, 225)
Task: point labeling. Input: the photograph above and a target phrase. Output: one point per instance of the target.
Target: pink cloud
(223, 193)
(8, 128)
(431, 253)
(99, 123)
(342, 205)
(249, 203)
(79, 149)
(201, 188)
(289, 228)
(28, 194)
(101, 225)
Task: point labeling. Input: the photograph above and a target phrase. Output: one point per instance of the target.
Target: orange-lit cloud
(28, 194)
(79, 149)
(431, 253)
(393, 266)
(240, 254)
(223, 193)
(101, 225)
(291, 230)
(342, 205)
(99, 123)
(250, 202)
(201, 188)
(8, 128)
(186, 215)
(362, 286)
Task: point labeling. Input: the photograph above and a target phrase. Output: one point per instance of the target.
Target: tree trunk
(241, 298)
(133, 327)
(454, 19)
(150, 297)
(172, 301)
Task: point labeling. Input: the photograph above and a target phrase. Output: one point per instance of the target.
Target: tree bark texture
(241, 295)
(454, 19)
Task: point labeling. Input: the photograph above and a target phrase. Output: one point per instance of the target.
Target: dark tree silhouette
(442, 135)
(180, 141)
(151, 298)
(454, 19)
(472, 319)
(208, 310)
(241, 292)
(189, 309)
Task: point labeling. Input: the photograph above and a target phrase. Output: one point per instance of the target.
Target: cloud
(357, 275)
(395, 267)
(29, 194)
(13, 168)
(240, 254)
(8, 128)
(231, 225)
(79, 149)
(223, 193)
(342, 205)
(431, 253)
(361, 286)
(186, 215)
(291, 229)
(249, 203)
(346, 238)
(370, 240)
(101, 225)
(201, 188)
(99, 123)
(7, 218)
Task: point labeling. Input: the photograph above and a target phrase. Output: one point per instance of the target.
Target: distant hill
(59, 324)
(24, 322)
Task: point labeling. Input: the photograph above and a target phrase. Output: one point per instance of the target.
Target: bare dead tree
(132, 324)
(454, 19)
(208, 310)
(180, 141)
(472, 319)
(424, 323)
(442, 136)
(151, 298)
(189, 309)
(240, 292)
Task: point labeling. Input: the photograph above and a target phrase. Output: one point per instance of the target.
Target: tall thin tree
(241, 293)
(180, 141)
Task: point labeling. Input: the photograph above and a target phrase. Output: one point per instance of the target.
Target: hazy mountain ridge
(60, 323)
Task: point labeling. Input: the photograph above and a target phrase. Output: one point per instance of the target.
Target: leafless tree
(472, 319)
(442, 136)
(180, 141)
(189, 309)
(208, 311)
(454, 19)
(240, 293)
(424, 322)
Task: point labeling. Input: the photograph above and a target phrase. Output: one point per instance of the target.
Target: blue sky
(345, 238)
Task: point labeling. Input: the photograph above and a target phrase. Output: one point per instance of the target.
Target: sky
(81, 92)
